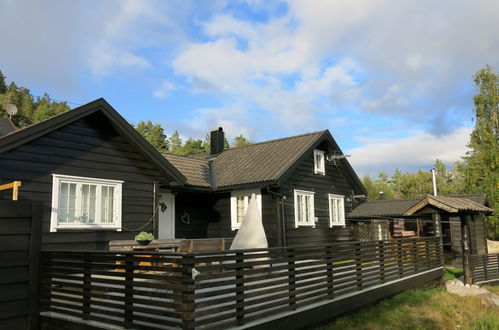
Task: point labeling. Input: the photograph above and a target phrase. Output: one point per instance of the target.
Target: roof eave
(30, 133)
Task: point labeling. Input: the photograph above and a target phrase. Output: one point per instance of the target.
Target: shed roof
(399, 207)
(389, 207)
(448, 204)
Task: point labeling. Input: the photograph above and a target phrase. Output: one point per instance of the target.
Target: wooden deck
(230, 289)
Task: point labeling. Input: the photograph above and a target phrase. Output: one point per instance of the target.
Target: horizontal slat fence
(484, 268)
(222, 289)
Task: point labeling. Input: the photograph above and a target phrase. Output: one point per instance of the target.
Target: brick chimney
(217, 141)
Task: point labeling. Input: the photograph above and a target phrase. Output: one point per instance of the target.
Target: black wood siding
(89, 147)
(210, 216)
(334, 182)
(477, 234)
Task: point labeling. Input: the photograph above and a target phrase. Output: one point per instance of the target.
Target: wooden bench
(202, 245)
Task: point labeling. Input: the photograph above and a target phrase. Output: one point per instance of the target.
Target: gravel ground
(493, 246)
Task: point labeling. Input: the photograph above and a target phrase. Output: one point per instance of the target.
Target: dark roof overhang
(30, 133)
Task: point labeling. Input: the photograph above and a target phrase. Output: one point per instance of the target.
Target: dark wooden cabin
(303, 185)
(399, 224)
(106, 176)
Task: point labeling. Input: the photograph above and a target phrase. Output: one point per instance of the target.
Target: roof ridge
(183, 156)
(395, 200)
(279, 139)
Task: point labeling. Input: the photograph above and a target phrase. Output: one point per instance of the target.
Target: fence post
(415, 254)
(358, 266)
(129, 258)
(239, 288)
(465, 247)
(381, 247)
(291, 276)
(329, 272)
(187, 264)
(400, 258)
(34, 265)
(87, 285)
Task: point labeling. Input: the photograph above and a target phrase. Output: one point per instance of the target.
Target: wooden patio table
(155, 246)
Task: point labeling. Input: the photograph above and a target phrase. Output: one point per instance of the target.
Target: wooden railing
(222, 289)
(484, 268)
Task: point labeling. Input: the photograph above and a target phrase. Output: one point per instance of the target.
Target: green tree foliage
(375, 187)
(176, 143)
(3, 84)
(416, 184)
(154, 134)
(481, 169)
(193, 146)
(241, 141)
(30, 111)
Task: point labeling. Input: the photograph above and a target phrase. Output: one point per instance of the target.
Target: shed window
(80, 202)
(304, 208)
(336, 210)
(239, 202)
(319, 164)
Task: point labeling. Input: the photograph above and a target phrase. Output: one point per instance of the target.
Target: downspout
(155, 201)
(281, 199)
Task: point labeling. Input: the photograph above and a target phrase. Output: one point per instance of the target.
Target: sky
(392, 80)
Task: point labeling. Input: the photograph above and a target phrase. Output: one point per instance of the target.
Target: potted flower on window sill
(144, 238)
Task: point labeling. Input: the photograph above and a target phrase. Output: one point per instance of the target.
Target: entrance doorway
(166, 215)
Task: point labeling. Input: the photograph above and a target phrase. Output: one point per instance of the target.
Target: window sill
(84, 227)
(305, 224)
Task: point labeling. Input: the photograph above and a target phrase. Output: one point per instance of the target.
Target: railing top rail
(272, 249)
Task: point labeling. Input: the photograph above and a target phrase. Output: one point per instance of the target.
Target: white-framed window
(319, 163)
(304, 208)
(239, 201)
(85, 203)
(336, 210)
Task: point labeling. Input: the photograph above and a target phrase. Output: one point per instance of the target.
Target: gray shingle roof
(196, 171)
(392, 207)
(6, 126)
(259, 162)
(265, 161)
(448, 204)
(398, 207)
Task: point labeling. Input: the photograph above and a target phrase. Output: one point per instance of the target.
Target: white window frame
(311, 214)
(336, 210)
(233, 204)
(117, 205)
(319, 167)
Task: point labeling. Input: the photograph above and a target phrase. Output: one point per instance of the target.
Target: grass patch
(422, 309)
(493, 288)
(452, 273)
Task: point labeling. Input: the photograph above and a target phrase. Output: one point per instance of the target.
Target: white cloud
(164, 89)
(416, 151)
(389, 58)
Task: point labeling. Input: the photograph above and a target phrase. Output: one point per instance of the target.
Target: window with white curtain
(336, 210)
(81, 202)
(239, 201)
(304, 208)
(319, 163)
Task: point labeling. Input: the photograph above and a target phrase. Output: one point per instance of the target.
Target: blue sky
(392, 80)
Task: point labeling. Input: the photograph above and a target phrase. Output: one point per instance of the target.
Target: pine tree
(176, 143)
(3, 84)
(193, 146)
(154, 134)
(240, 141)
